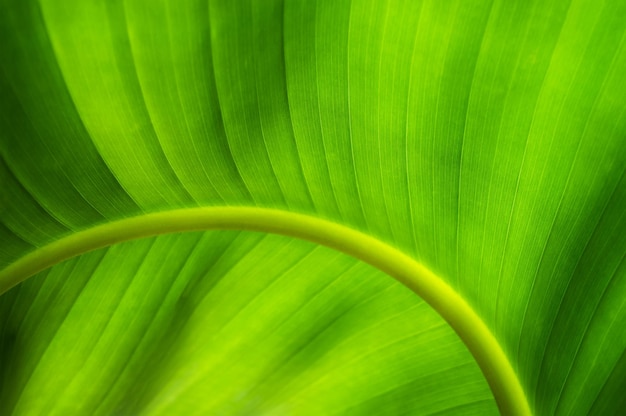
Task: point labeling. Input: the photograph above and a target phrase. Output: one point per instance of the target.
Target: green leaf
(473, 151)
(230, 323)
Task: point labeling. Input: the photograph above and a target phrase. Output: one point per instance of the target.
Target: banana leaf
(290, 207)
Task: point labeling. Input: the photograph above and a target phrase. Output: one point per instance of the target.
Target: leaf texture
(221, 323)
(486, 140)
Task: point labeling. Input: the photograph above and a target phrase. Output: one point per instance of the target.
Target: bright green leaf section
(484, 139)
(229, 323)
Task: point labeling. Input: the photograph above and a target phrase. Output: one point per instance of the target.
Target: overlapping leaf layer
(228, 323)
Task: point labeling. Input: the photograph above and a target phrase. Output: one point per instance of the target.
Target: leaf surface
(486, 141)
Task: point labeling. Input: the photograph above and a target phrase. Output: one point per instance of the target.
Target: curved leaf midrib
(479, 340)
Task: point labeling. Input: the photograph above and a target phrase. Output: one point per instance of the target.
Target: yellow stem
(494, 364)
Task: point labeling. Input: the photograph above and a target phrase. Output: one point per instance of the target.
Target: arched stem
(494, 364)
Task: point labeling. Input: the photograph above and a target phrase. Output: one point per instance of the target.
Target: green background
(486, 140)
